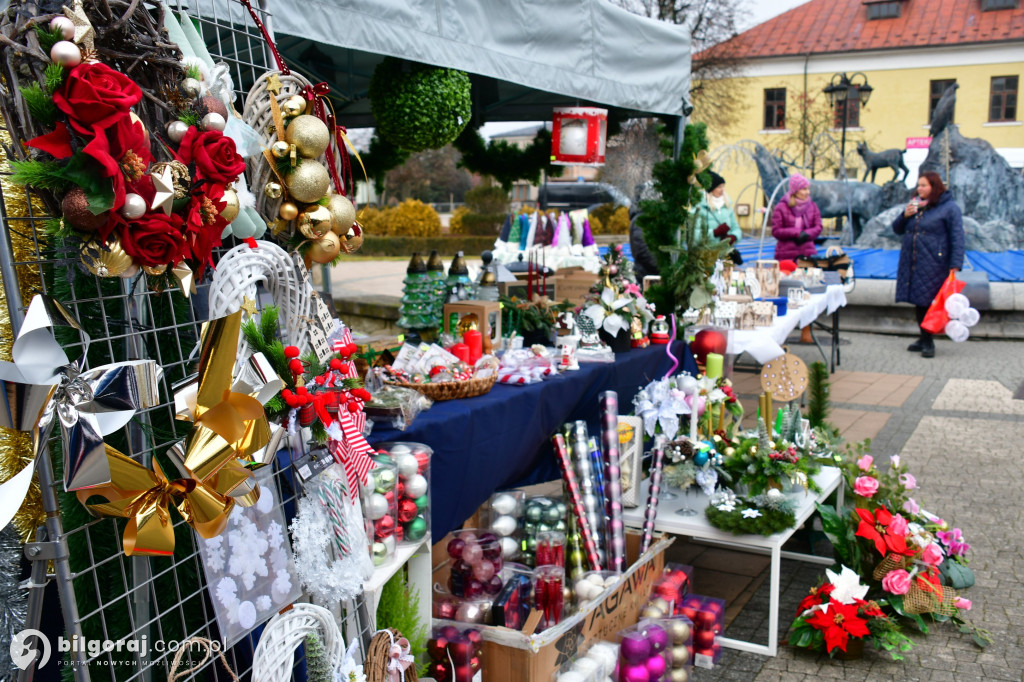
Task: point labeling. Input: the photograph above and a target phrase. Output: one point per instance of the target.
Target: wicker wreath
(238, 273)
(275, 654)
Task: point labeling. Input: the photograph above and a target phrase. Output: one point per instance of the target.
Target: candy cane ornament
(651, 512)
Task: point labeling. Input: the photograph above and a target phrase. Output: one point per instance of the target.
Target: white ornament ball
(774, 493)
(214, 121)
(176, 130)
(191, 87)
(504, 504)
(66, 54)
(399, 449)
(687, 384)
(588, 667)
(416, 486)
(134, 206)
(247, 614)
(66, 26)
(970, 317)
(265, 504)
(407, 465)
(377, 507)
(504, 525)
(509, 547)
(572, 676)
(389, 544)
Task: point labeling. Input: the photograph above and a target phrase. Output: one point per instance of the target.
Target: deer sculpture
(890, 158)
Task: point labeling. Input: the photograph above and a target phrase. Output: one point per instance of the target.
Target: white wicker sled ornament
(239, 272)
(285, 632)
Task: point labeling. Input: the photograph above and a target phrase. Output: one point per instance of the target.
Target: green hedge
(482, 224)
(472, 246)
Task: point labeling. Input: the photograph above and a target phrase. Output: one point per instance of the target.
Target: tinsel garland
(15, 446)
(13, 599)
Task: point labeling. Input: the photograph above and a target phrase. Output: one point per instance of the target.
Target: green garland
(770, 521)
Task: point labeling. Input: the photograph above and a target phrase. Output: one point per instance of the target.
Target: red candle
(461, 351)
(475, 341)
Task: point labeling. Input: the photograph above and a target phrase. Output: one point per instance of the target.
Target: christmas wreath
(417, 106)
(740, 516)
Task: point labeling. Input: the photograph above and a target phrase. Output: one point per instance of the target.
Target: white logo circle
(22, 655)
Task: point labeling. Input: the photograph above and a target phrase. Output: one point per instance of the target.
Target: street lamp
(839, 90)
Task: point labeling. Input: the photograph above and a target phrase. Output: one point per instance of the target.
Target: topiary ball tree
(418, 106)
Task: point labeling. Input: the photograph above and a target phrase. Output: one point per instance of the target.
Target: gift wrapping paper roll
(576, 500)
(593, 505)
(597, 466)
(609, 402)
(651, 512)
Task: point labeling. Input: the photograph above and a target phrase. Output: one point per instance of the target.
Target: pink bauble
(494, 585)
(455, 548)
(656, 666)
(658, 638)
(634, 672)
(66, 53)
(635, 648)
(483, 571)
(474, 588)
(472, 553)
(66, 26)
(467, 536)
(469, 612)
(444, 610)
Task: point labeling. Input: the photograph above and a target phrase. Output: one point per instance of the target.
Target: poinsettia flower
(817, 596)
(606, 314)
(709, 387)
(839, 622)
(847, 585)
(57, 144)
(875, 527)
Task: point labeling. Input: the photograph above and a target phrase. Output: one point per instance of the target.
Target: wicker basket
(451, 390)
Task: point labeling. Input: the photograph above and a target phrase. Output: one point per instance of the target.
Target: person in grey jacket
(933, 246)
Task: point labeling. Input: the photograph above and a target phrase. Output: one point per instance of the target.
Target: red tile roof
(822, 26)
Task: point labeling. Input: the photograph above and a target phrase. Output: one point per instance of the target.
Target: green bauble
(416, 529)
(552, 514)
(422, 502)
(380, 553)
(385, 480)
(534, 513)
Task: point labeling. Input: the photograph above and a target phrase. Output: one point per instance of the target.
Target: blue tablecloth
(503, 439)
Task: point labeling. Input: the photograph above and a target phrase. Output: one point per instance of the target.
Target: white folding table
(828, 479)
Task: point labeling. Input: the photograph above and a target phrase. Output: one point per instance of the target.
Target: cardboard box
(511, 655)
(574, 284)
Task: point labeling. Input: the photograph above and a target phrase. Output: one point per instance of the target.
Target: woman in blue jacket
(933, 246)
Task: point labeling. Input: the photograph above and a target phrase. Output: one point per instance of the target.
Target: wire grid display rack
(105, 595)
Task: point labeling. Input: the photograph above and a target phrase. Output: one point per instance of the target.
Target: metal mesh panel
(135, 598)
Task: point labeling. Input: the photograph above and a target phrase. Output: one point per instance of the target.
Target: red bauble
(422, 460)
(708, 341)
(705, 620)
(689, 612)
(406, 510)
(435, 648)
(439, 671)
(463, 672)
(475, 637)
(449, 632)
(703, 639)
(399, 533)
(461, 649)
(384, 527)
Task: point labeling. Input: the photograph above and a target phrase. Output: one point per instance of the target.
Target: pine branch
(48, 37)
(54, 76)
(40, 105)
(268, 322)
(189, 117)
(818, 404)
(40, 174)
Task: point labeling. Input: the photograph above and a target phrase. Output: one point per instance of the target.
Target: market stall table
(829, 479)
(503, 439)
(765, 343)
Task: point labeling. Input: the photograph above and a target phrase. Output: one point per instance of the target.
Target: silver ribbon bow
(657, 404)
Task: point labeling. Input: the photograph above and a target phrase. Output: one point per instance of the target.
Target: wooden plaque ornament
(785, 377)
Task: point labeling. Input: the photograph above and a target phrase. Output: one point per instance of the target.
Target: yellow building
(906, 51)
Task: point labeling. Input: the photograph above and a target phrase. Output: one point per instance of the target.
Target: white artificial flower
(751, 513)
(847, 585)
(606, 314)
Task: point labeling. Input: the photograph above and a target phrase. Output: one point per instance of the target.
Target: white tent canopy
(585, 50)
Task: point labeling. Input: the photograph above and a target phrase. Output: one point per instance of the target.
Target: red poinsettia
(818, 595)
(875, 527)
(203, 224)
(839, 622)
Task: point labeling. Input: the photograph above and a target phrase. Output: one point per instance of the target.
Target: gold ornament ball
(353, 239)
(308, 183)
(314, 222)
(288, 210)
(325, 249)
(294, 106)
(343, 214)
(309, 135)
(730, 451)
(105, 260)
(273, 190)
(280, 149)
(155, 269)
(231, 205)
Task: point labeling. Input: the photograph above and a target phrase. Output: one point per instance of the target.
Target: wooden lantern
(578, 136)
(485, 314)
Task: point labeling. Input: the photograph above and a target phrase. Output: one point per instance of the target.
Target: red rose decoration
(94, 95)
(154, 239)
(123, 153)
(213, 154)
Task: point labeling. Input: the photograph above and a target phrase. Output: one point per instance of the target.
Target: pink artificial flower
(865, 486)
(932, 555)
(908, 481)
(898, 525)
(896, 582)
(864, 463)
(954, 541)
(962, 603)
(633, 290)
(894, 460)
(911, 507)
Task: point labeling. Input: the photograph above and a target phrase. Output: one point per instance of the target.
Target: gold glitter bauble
(155, 269)
(133, 117)
(105, 260)
(75, 207)
(293, 106)
(309, 135)
(280, 149)
(288, 211)
(343, 214)
(309, 182)
(273, 189)
(314, 222)
(325, 249)
(353, 239)
(231, 205)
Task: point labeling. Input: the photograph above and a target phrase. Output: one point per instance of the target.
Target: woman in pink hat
(796, 222)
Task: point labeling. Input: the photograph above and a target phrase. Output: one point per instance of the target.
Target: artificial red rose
(213, 154)
(123, 153)
(93, 95)
(154, 239)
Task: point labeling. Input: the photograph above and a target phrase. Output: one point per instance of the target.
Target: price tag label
(300, 267)
(703, 661)
(323, 314)
(313, 463)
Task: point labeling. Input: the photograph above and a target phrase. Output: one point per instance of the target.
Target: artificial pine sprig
(192, 71)
(189, 117)
(40, 174)
(39, 104)
(818, 403)
(48, 37)
(54, 76)
(57, 228)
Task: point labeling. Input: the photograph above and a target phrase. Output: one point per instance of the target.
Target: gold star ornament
(85, 34)
(249, 305)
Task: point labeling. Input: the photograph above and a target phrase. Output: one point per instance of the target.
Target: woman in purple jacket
(796, 222)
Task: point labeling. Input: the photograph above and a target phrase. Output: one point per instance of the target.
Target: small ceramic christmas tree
(417, 300)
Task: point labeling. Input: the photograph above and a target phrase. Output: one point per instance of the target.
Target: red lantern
(578, 136)
(708, 341)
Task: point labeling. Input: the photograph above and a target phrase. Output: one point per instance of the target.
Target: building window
(935, 94)
(852, 105)
(1003, 100)
(774, 108)
(884, 10)
(987, 5)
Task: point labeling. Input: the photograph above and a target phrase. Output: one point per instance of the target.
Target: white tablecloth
(765, 343)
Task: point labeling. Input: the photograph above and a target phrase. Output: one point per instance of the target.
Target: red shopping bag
(936, 318)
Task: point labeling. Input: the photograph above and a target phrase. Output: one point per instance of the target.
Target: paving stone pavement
(965, 450)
